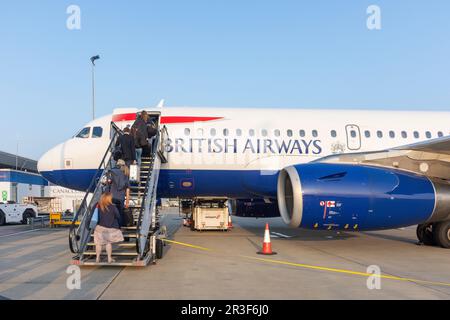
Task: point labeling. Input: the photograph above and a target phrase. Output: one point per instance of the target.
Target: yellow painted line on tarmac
(320, 268)
(187, 245)
(350, 272)
(17, 233)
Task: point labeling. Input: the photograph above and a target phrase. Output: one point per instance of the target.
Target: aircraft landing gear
(425, 234)
(441, 233)
(434, 234)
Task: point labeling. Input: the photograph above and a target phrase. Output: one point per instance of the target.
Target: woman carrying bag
(107, 230)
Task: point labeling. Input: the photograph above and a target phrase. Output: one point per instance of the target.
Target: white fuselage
(223, 139)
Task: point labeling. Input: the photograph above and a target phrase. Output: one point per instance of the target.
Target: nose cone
(50, 163)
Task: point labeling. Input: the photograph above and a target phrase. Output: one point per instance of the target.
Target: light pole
(93, 84)
(17, 154)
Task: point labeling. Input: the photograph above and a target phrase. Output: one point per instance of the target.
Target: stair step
(121, 261)
(106, 264)
(93, 253)
(129, 233)
(125, 235)
(121, 245)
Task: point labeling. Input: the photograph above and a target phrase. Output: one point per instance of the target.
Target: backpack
(117, 154)
(111, 177)
(151, 129)
(134, 134)
(139, 136)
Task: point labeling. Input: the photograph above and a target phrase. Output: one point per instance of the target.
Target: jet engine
(358, 197)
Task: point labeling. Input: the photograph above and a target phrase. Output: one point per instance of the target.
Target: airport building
(19, 179)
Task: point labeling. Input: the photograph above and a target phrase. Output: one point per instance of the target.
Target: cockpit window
(97, 132)
(84, 133)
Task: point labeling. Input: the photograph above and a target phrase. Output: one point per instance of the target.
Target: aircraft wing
(440, 145)
(430, 158)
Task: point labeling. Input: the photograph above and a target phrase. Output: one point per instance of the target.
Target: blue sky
(310, 54)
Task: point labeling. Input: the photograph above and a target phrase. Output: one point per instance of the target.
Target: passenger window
(353, 133)
(289, 133)
(84, 133)
(97, 132)
(404, 135)
(200, 132)
(440, 134)
(416, 135)
(187, 132)
(225, 132)
(333, 133)
(251, 132)
(213, 132)
(428, 134)
(379, 134)
(302, 133)
(264, 132)
(277, 133)
(315, 133)
(392, 134)
(367, 133)
(238, 132)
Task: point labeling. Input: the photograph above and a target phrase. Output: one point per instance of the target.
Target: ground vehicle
(17, 213)
(210, 214)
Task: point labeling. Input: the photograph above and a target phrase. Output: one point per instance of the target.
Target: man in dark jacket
(152, 130)
(119, 186)
(126, 145)
(140, 134)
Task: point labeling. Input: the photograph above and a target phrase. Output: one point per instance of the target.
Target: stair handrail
(82, 232)
(141, 235)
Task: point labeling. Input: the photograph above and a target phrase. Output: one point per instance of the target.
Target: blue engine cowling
(356, 197)
(255, 208)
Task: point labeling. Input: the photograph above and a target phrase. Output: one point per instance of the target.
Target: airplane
(351, 170)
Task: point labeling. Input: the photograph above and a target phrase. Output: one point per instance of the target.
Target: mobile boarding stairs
(144, 237)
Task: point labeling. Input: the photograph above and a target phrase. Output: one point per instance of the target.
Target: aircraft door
(353, 137)
(164, 142)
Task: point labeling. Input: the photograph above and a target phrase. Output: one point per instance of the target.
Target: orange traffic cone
(230, 223)
(267, 245)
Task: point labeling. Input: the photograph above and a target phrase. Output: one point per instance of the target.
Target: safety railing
(146, 220)
(80, 235)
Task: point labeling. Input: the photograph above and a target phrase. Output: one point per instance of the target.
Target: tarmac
(225, 265)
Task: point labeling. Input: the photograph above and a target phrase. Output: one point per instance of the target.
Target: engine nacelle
(255, 208)
(358, 197)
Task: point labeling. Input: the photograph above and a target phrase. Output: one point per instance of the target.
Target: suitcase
(127, 217)
(134, 173)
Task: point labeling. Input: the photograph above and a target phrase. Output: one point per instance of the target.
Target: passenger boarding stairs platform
(144, 236)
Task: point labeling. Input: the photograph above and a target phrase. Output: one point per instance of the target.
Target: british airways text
(256, 146)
